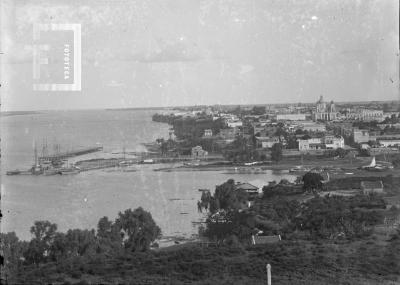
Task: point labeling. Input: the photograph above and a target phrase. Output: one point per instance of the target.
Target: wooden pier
(67, 154)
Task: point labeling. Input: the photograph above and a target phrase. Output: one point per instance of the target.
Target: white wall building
(208, 133)
(312, 127)
(360, 136)
(365, 115)
(267, 142)
(388, 143)
(233, 124)
(334, 142)
(291, 117)
(327, 142)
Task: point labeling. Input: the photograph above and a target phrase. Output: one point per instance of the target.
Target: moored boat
(53, 171)
(299, 169)
(68, 171)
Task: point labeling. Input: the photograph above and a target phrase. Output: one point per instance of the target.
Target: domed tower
(332, 108)
(321, 105)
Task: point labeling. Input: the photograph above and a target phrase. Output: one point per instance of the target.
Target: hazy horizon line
(188, 106)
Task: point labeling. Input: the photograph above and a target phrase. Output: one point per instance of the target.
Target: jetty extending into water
(72, 153)
(101, 163)
(54, 163)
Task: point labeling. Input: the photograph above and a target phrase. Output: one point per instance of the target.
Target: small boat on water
(13, 172)
(36, 170)
(246, 170)
(128, 169)
(69, 171)
(377, 167)
(48, 172)
(298, 169)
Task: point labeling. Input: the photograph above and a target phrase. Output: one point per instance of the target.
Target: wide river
(79, 201)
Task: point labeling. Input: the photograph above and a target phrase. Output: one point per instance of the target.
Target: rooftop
(371, 184)
(266, 239)
(246, 186)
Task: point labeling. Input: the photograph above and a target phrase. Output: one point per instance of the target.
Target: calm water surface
(79, 201)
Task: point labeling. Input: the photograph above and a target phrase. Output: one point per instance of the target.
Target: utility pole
(268, 274)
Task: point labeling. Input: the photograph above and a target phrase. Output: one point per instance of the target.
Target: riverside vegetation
(325, 240)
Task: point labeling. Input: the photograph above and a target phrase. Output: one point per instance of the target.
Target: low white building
(267, 142)
(369, 187)
(208, 133)
(327, 142)
(365, 115)
(198, 151)
(291, 117)
(334, 142)
(310, 144)
(388, 142)
(234, 124)
(312, 127)
(360, 136)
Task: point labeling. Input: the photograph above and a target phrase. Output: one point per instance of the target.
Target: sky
(158, 53)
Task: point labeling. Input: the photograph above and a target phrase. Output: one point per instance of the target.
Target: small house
(256, 239)
(228, 133)
(267, 142)
(198, 151)
(208, 133)
(368, 187)
(249, 188)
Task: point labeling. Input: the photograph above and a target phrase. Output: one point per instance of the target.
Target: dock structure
(98, 164)
(67, 154)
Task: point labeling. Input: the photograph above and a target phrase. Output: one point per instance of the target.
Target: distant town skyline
(139, 54)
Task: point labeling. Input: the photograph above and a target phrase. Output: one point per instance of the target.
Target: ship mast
(36, 154)
(124, 150)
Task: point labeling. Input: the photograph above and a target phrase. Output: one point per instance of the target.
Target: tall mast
(35, 152)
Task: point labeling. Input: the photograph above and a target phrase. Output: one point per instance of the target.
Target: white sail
(373, 162)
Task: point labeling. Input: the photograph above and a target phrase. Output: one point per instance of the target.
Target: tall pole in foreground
(269, 274)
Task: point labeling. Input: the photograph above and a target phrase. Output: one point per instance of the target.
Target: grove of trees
(276, 152)
(132, 231)
(327, 217)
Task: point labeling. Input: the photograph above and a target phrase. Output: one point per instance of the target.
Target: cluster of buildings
(320, 126)
(364, 115)
(325, 111)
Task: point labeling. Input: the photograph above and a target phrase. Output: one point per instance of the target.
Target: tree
(12, 252)
(330, 216)
(241, 149)
(276, 152)
(232, 224)
(39, 247)
(219, 226)
(164, 148)
(292, 142)
(386, 107)
(258, 110)
(280, 131)
(341, 152)
(226, 197)
(312, 181)
(225, 218)
(137, 228)
(298, 180)
(108, 236)
(80, 242)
